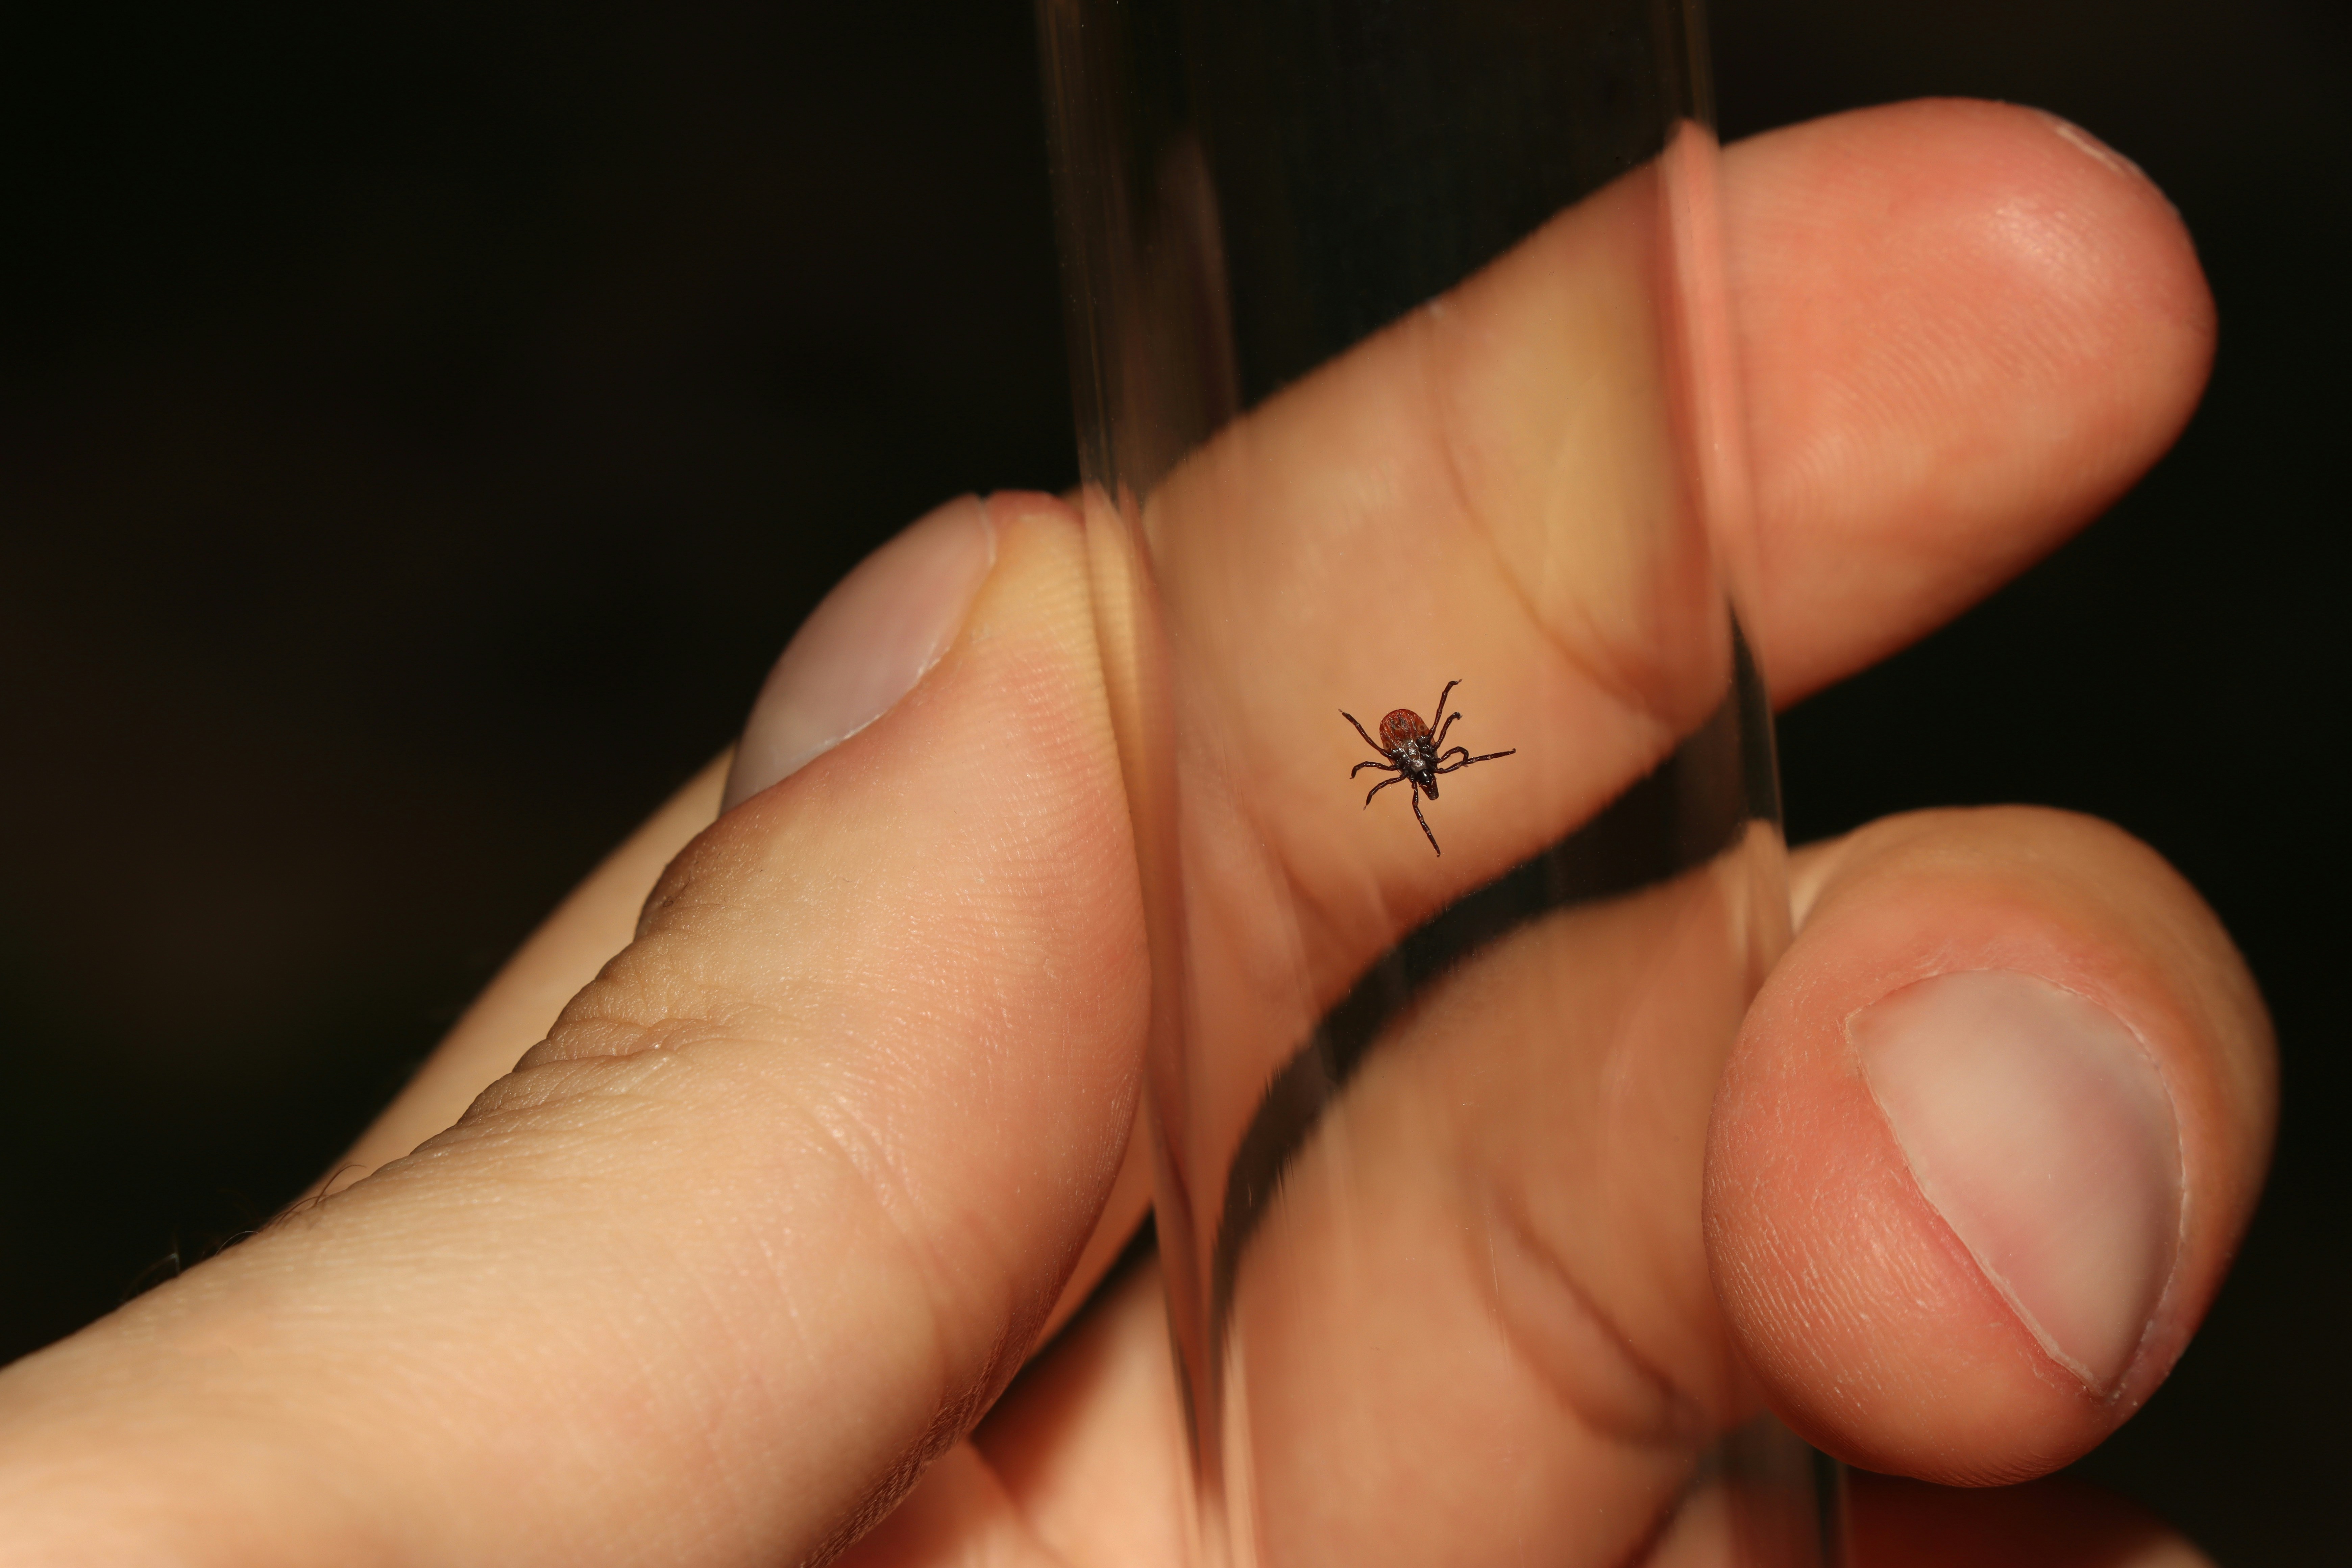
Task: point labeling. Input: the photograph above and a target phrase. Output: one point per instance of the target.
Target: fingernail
(865, 645)
(2099, 151)
(2037, 1125)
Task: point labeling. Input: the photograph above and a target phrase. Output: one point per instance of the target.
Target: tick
(1408, 750)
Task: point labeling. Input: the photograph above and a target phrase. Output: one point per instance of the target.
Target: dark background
(420, 427)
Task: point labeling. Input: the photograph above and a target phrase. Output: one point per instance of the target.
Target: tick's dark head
(1401, 729)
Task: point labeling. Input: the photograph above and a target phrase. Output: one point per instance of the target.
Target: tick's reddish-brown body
(1409, 751)
(1400, 729)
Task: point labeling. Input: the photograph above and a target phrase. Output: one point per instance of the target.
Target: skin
(827, 1128)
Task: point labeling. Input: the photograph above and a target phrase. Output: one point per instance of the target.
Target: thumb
(763, 1223)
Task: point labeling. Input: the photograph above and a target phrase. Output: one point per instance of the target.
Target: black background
(420, 427)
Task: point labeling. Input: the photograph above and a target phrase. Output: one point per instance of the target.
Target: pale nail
(2038, 1126)
(865, 645)
(2083, 141)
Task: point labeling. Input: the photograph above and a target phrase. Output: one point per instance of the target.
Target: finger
(1986, 1143)
(1965, 328)
(765, 1222)
(863, 648)
(865, 645)
(2052, 1523)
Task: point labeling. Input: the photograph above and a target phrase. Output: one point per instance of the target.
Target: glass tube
(1402, 369)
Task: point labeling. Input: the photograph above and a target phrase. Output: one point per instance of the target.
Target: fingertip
(865, 645)
(1965, 329)
(878, 633)
(1984, 1145)
(2151, 256)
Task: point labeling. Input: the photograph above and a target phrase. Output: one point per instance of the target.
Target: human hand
(789, 1192)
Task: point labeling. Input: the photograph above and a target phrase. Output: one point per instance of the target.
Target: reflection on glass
(1399, 353)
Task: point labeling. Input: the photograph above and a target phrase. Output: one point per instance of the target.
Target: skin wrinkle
(774, 1148)
(1619, 1083)
(964, 1514)
(1682, 1409)
(1636, 716)
(916, 1214)
(614, 1038)
(874, 1136)
(861, 1146)
(936, 1358)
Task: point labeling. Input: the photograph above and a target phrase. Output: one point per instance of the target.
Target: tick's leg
(1461, 752)
(1466, 761)
(1351, 718)
(1383, 784)
(1424, 822)
(1439, 739)
(1437, 714)
(1360, 767)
